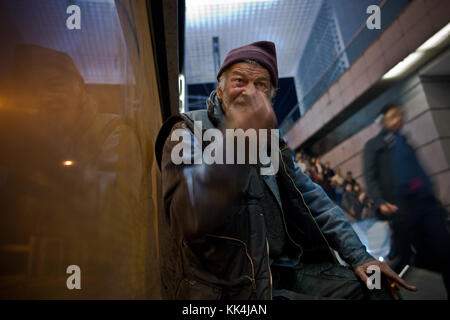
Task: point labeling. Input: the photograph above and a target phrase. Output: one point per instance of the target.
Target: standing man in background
(403, 194)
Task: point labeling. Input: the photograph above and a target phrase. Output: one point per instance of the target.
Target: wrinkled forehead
(249, 70)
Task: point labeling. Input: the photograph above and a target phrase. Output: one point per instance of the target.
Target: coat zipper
(304, 203)
(252, 278)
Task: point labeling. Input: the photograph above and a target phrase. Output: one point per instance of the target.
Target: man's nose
(250, 89)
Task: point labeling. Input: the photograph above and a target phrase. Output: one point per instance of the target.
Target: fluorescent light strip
(199, 3)
(406, 64)
(182, 86)
(403, 65)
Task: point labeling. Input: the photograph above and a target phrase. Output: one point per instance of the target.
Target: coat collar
(215, 110)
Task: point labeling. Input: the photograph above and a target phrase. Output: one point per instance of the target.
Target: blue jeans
(423, 226)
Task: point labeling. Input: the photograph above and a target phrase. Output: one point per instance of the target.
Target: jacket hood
(215, 110)
(214, 113)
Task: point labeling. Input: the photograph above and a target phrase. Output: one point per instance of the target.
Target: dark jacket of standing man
(403, 194)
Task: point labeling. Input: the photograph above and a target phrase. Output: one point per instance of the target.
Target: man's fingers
(392, 207)
(387, 208)
(394, 277)
(387, 271)
(361, 273)
(406, 285)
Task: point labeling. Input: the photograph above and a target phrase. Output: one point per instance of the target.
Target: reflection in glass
(74, 165)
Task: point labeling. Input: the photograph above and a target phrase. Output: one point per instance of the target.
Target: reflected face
(55, 90)
(53, 96)
(242, 81)
(393, 119)
(60, 92)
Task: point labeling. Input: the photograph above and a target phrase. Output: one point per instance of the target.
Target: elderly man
(231, 233)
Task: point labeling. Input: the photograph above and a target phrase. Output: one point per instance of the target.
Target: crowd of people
(344, 191)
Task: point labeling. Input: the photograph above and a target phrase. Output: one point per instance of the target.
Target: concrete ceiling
(236, 22)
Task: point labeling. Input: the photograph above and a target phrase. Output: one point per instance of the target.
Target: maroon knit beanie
(262, 52)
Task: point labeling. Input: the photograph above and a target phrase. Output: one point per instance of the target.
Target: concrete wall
(420, 20)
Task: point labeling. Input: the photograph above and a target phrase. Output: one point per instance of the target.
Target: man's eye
(262, 84)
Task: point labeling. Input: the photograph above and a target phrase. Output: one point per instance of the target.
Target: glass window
(79, 110)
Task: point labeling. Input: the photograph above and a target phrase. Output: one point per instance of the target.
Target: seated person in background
(349, 202)
(338, 183)
(349, 179)
(328, 172)
(367, 210)
(301, 163)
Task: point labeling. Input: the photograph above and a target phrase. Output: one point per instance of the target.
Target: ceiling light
(409, 62)
(403, 65)
(199, 3)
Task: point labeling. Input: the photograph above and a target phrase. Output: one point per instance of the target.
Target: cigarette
(401, 274)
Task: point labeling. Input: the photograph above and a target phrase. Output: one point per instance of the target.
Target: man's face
(393, 119)
(52, 96)
(243, 81)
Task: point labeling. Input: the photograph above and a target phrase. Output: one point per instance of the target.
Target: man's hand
(352, 211)
(360, 271)
(251, 111)
(387, 209)
(361, 197)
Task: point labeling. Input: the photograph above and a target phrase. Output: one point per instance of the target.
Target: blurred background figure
(318, 165)
(328, 172)
(367, 206)
(338, 183)
(301, 161)
(349, 202)
(403, 194)
(349, 179)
